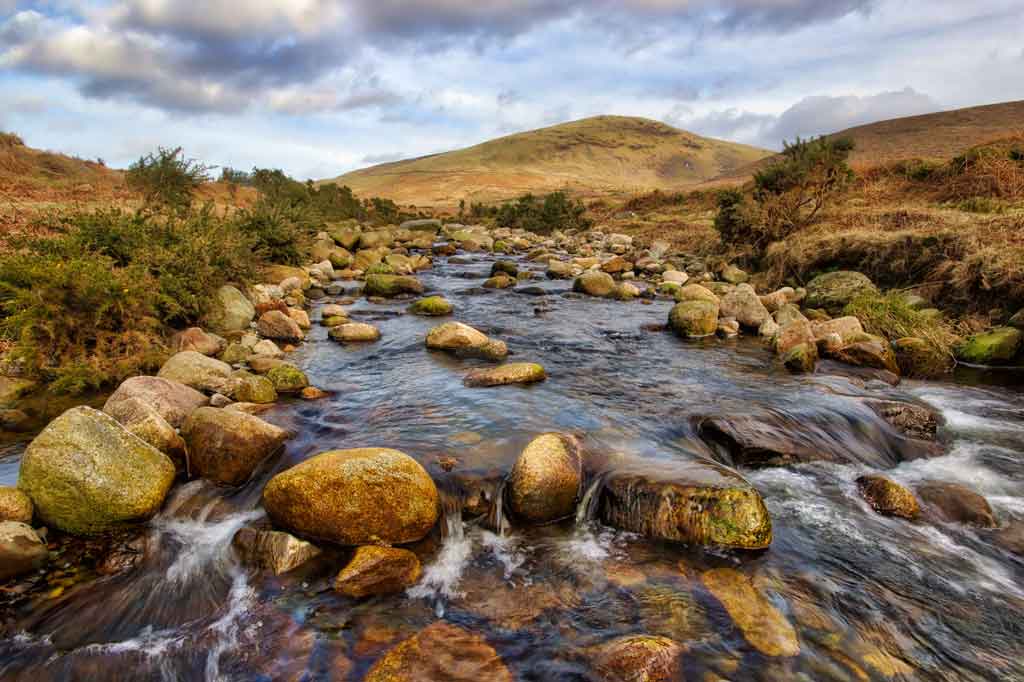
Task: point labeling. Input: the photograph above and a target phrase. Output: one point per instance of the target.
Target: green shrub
(166, 178)
(981, 205)
(280, 233)
(543, 215)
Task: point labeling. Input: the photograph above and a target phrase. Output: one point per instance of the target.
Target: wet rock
(196, 370)
(594, 283)
(869, 351)
(431, 306)
(226, 446)
(728, 328)
(21, 550)
(87, 474)
(440, 653)
(763, 625)
(287, 378)
(545, 481)
(744, 305)
(749, 442)
(355, 332)
(460, 338)
(196, 339)
(15, 505)
(389, 286)
(638, 658)
(918, 358)
(913, 421)
(1011, 538)
(378, 570)
(625, 291)
(313, 393)
(506, 267)
(957, 503)
(695, 292)
(801, 359)
(834, 290)
(500, 281)
(278, 326)
(888, 497)
(230, 311)
(122, 557)
(511, 373)
(694, 318)
(172, 400)
(692, 502)
(355, 497)
(273, 550)
(246, 387)
(996, 346)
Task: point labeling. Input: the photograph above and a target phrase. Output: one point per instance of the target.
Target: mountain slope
(594, 156)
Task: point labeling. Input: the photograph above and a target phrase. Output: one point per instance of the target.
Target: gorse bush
(543, 215)
(279, 232)
(166, 179)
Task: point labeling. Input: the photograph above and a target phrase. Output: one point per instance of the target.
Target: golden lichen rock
(440, 653)
(511, 373)
(763, 625)
(546, 479)
(378, 570)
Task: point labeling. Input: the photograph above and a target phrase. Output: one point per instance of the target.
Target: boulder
(801, 359)
(196, 370)
(956, 503)
(506, 267)
(460, 338)
(15, 505)
(355, 332)
(638, 658)
(511, 373)
(834, 290)
(246, 387)
(744, 305)
(546, 479)
(694, 319)
(278, 274)
(440, 653)
(919, 359)
(793, 333)
(230, 311)
(693, 502)
(333, 310)
(196, 339)
(345, 236)
(733, 275)
(431, 306)
(87, 474)
(265, 350)
(695, 292)
(287, 378)
(913, 421)
(236, 353)
(625, 291)
(301, 318)
(226, 446)
(500, 281)
(378, 570)
(675, 277)
(143, 420)
(391, 285)
(869, 351)
(21, 550)
(888, 497)
(172, 400)
(776, 299)
(996, 346)
(847, 328)
(279, 326)
(559, 270)
(594, 283)
(355, 497)
(273, 550)
(763, 625)
(616, 265)
(748, 441)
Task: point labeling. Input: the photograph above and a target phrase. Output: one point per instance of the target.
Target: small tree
(167, 179)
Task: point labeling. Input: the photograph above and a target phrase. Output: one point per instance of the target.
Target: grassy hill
(593, 156)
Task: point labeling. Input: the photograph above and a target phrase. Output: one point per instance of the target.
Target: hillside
(597, 155)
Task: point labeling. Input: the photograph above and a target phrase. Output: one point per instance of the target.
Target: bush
(543, 215)
(167, 179)
(279, 232)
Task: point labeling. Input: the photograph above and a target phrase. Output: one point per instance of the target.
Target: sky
(320, 87)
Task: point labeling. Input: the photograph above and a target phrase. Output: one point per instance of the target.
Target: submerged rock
(693, 502)
(15, 505)
(694, 318)
(957, 503)
(462, 339)
(762, 625)
(545, 482)
(512, 373)
(638, 658)
(431, 306)
(355, 332)
(440, 653)
(226, 446)
(378, 570)
(888, 497)
(21, 550)
(87, 474)
(273, 550)
(355, 497)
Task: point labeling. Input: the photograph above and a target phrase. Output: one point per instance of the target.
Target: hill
(600, 155)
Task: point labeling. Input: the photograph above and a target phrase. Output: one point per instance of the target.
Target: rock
(871, 351)
(196, 339)
(279, 326)
(789, 313)
(333, 310)
(376, 239)
(287, 378)
(848, 328)
(594, 283)
(246, 387)
(744, 305)
(230, 311)
(196, 370)
(695, 292)
(888, 497)
(462, 339)
(266, 349)
(226, 446)
(400, 265)
(728, 328)
(336, 321)
(912, 421)
(142, 420)
(957, 503)
(313, 393)
(500, 281)
(378, 570)
(763, 625)
(559, 270)
(218, 400)
(779, 298)
(693, 502)
(1017, 321)
(273, 550)
(733, 275)
(355, 497)
(1011, 538)
(996, 346)
(431, 306)
(301, 318)
(391, 285)
(616, 265)
(172, 400)
(694, 319)
(675, 277)
(235, 354)
(430, 225)
(440, 653)
(511, 373)
(279, 274)
(261, 364)
(13, 389)
(769, 329)
(795, 333)
(87, 474)
(21, 550)
(368, 258)
(355, 332)
(546, 479)
(834, 290)
(15, 505)
(625, 291)
(506, 267)
(801, 359)
(918, 358)
(15, 421)
(750, 442)
(638, 658)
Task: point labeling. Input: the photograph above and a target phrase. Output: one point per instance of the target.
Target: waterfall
(496, 519)
(441, 577)
(586, 511)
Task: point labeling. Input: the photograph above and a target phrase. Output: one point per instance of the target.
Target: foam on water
(203, 545)
(505, 549)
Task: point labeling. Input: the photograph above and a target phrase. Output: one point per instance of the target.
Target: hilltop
(593, 156)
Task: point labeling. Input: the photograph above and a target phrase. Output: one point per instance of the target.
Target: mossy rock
(431, 306)
(834, 290)
(287, 378)
(800, 359)
(334, 321)
(888, 497)
(252, 388)
(388, 286)
(920, 359)
(694, 319)
(380, 269)
(504, 266)
(996, 346)
(15, 505)
(511, 373)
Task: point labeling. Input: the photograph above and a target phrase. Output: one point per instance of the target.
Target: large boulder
(694, 318)
(172, 400)
(87, 474)
(198, 371)
(459, 338)
(198, 340)
(996, 346)
(441, 652)
(230, 311)
(355, 497)
(15, 505)
(957, 503)
(762, 624)
(226, 446)
(693, 502)
(595, 283)
(744, 305)
(695, 292)
(279, 326)
(391, 285)
(546, 479)
(834, 290)
(21, 550)
(378, 570)
(511, 373)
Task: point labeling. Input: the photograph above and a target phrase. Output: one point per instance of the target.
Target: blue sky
(319, 87)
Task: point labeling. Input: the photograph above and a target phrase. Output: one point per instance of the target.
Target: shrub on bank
(543, 215)
(167, 179)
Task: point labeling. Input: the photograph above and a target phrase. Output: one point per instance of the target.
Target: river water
(870, 597)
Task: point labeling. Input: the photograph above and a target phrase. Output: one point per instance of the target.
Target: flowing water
(870, 597)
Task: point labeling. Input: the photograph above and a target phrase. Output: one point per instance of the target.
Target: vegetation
(543, 215)
(166, 179)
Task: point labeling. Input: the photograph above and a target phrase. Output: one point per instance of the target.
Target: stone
(546, 479)
(694, 318)
(847, 328)
(1017, 320)
(246, 387)
(230, 311)
(301, 318)
(85, 474)
(695, 292)
(888, 497)
(795, 333)
(273, 550)
(431, 306)
(748, 441)
(957, 503)
(594, 283)
(266, 349)
(21, 550)
(616, 265)
(15, 505)
(692, 502)
(429, 225)
(287, 378)
(506, 267)
(733, 275)
(871, 351)
(196, 339)
(279, 274)
(511, 373)
(800, 359)
(355, 332)
(625, 291)
(226, 446)
(763, 626)
(675, 277)
(144, 421)
(172, 400)
(559, 270)
(910, 420)
(278, 326)
(460, 338)
(196, 370)
(441, 652)
(744, 305)
(389, 286)
(996, 346)
(834, 290)
(235, 354)
(333, 310)
(500, 281)
(778, 298)
(13, 389)
(919, 359)
(261, 364)
(355, 497)
(728, 328)
(638, 658)
(378, 571)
